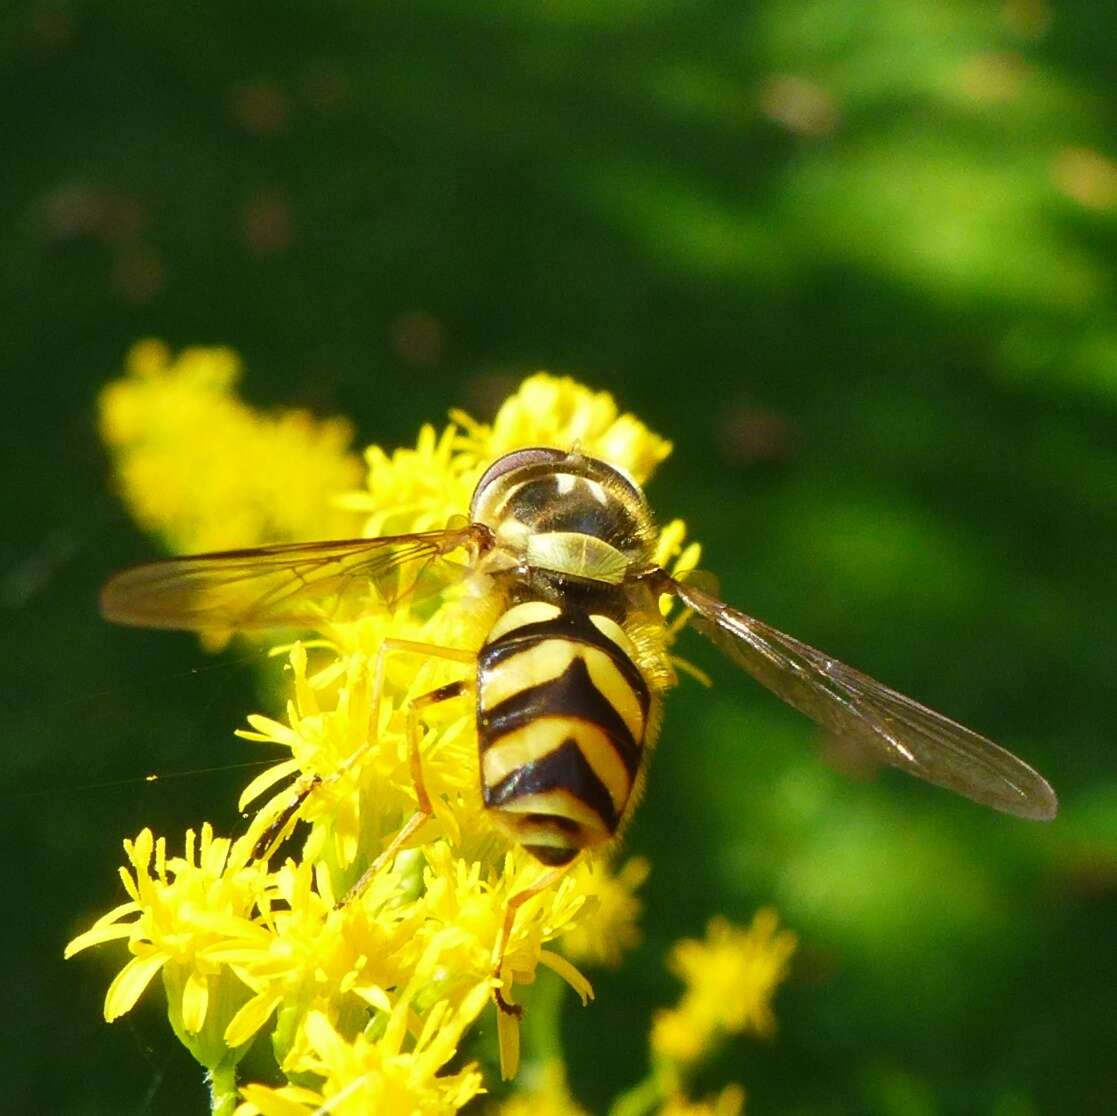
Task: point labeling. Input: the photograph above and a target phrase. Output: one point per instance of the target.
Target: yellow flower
(414, 489)
(730, 979)
(557, 411)
(388, 1075)
(609, 927)
(205, 472)
(313, 954)
(186, 908)
(420, 489)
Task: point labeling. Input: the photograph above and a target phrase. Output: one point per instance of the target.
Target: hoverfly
(569, 681)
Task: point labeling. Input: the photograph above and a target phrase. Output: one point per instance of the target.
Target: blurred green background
(856, 258)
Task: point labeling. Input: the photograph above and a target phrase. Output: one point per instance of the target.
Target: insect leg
(509, 1013)
(425, 808)
(514, 904)
(266, 843)
(399, 646)
(270, 838)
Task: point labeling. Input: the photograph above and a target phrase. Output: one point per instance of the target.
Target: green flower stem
(223, 1090)
(542, 1023)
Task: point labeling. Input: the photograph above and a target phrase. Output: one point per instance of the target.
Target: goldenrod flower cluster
(366, 1002)
(204, 471)
(730, 978)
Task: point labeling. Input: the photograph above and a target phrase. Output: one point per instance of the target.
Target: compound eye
(619, 477)
(536, 455)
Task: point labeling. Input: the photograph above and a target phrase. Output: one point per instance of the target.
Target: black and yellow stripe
(562, 712)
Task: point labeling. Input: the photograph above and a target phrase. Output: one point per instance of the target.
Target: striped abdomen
(562, 712)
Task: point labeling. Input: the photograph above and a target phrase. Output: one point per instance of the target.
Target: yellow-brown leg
(422, 798)
(395, 647)
(508, 1013)
(275, 831)
(545, 881)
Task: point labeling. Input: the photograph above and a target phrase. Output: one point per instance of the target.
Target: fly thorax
(566, 513)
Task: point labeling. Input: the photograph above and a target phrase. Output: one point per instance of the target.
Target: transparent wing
(869, 715)
(294, 585)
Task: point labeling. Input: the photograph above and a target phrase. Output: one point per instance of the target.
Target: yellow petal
(269, 730)
(251, 1017)
(96, 936)
(375, 996)
(448, 821)
(277, 1102)
(195, 1001)
(321, 1035)
(130, 982)
(508, 1036)
(568, 973)
(130, 885)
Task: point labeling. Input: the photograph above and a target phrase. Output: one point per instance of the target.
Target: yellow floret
(730, 980)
